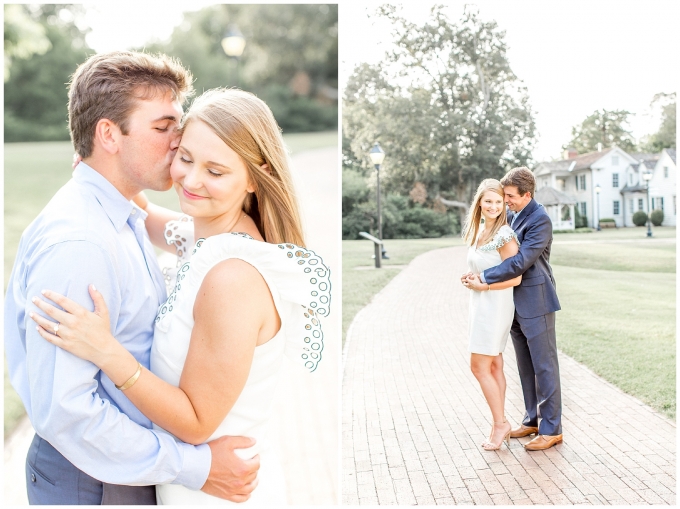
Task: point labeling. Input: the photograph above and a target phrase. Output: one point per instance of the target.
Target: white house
(662, 194)
(619, 177)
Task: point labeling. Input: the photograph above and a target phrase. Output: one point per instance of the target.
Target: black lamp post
(647, 175)
(377, 157)
(597, 192)
(233, 44)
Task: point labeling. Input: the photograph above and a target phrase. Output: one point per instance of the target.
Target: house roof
(649, 160)
(550, 196)
(582, 161)
(633, 189)
(671, 152)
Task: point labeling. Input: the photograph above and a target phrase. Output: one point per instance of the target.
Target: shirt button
(32, 477)
(134, 211)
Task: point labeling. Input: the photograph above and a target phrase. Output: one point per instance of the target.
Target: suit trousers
(53, 480)
(536, 350)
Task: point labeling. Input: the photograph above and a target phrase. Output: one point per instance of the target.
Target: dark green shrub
(656, 217)
(640, 218)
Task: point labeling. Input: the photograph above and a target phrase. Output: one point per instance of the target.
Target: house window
(581, 182)
(615, 180)
(583, 208)
(659, 202)
(665, 172)
(640, 204)
(615, 160)
(616, 207)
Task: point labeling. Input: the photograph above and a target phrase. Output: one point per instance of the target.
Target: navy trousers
(53, 480)
(536, 350)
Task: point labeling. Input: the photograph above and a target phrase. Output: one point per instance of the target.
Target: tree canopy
(665, 137)
(290, 61)
(608, 127)
(445, 105)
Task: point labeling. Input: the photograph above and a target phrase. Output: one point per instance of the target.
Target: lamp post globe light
(233, 44)
(377, 156)
(597, 192)
(647, 175)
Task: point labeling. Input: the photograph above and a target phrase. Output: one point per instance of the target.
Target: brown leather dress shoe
(523, 431)
(542, 442)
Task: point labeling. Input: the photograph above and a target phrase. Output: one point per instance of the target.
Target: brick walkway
(413, 415)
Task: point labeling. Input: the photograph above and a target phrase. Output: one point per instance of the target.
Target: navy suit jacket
(536, 295)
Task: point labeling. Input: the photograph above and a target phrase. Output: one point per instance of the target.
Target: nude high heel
(490, 446)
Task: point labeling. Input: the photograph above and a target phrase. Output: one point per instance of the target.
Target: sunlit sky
(575, 57)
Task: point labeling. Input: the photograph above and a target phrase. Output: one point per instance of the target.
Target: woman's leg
(499, 376)
(481, 369)
(485, 369)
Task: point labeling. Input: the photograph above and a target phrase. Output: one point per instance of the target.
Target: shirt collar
(116, 207)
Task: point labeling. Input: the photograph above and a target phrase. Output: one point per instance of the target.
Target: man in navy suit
(533, 327)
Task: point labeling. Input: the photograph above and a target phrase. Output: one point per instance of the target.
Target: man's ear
(108, 136)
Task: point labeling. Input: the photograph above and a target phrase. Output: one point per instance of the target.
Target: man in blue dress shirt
(92, 446)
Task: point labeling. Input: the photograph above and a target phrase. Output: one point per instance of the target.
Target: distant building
(619, 175)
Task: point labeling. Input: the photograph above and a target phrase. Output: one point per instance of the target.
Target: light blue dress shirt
(90, 234)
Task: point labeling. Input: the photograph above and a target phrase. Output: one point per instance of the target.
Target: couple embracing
(156, 398)
(513, 292)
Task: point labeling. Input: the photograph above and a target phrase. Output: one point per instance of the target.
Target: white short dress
(300, 286)
(491, 312)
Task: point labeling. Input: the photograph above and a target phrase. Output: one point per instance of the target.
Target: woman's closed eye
(214, 173)
(185, 160)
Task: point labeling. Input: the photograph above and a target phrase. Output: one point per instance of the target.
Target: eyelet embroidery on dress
(318, 306)
(502, 237)
(167, 306)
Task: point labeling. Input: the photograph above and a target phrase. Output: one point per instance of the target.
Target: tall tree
(445, 106)
(665, 137)
(605, 127)
(24, 36)
(36, 92)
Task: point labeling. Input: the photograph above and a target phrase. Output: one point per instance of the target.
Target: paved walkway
(413, 415)
(307, 411)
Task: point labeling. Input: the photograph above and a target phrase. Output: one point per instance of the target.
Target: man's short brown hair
(108, 86)
(522, 178)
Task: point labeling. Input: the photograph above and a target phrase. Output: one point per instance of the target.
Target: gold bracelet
(131, 381)
(488, 289)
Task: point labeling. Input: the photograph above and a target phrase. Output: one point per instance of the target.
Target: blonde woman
(248, 294)
(491, 241)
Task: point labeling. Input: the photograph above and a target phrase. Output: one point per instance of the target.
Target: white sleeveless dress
(491, 312)
(300, 286)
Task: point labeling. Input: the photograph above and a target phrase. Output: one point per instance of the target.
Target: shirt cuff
(196, 467)
(481, 277)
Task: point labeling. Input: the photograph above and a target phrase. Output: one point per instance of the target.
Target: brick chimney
(569, 153)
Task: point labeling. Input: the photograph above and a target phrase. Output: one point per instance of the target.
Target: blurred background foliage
(290, 61)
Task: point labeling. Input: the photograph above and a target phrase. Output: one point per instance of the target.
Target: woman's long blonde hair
(247, 125)
(474, 216)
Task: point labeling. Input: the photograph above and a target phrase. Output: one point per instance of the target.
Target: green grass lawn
(617, 291)
(35, 171)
